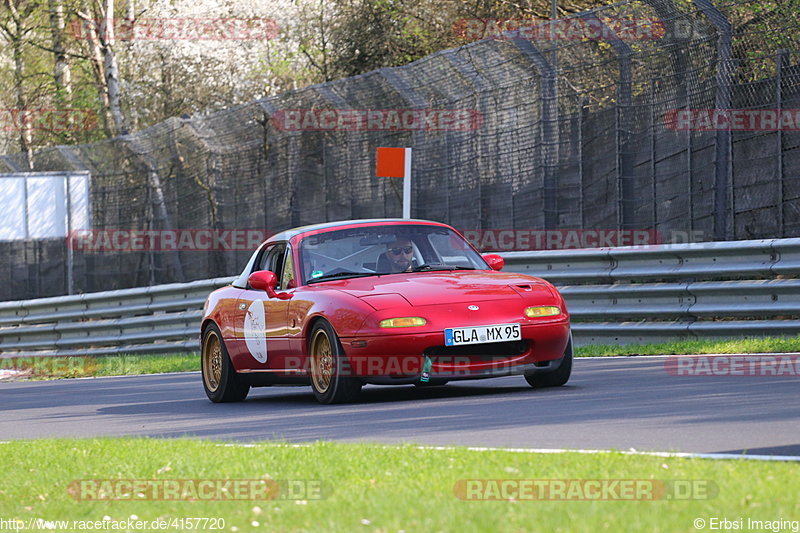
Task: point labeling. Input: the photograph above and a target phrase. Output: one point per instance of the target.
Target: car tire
(328, 365)
(220, 380)
(557, 377)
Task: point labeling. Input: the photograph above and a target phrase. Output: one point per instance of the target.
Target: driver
(401, 254)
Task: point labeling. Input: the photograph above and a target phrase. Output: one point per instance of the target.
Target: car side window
(278, 259)
(272, 259)
(452, 251)
(287, 278)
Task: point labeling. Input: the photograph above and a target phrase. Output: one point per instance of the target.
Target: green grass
(147, 364)
(376, 488)
(42, 368)
(700, 346)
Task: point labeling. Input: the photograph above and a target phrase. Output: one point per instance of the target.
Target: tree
(99, 19)
(18, 26)
(370, 34)
(62, 73)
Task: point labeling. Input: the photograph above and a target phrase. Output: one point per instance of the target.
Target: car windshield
(376, 250)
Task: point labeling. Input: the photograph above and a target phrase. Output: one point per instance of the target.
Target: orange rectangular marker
(391, 163)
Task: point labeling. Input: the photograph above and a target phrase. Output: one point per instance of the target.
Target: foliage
(317, 41)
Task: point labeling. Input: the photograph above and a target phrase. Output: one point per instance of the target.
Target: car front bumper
(402, 357)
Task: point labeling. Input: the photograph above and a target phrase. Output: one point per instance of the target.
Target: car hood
(429, 288)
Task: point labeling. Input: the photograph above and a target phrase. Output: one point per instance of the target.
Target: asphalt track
(617, 403)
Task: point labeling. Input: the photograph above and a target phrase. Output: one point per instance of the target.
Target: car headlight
(543, 310)
(403, 322)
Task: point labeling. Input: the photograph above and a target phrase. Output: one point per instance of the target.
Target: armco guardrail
(158, 319)
(669, 292)
(615, 295)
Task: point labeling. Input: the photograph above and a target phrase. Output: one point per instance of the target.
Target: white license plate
(482, 334)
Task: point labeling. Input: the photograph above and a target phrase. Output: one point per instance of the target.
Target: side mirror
(495, 261)
(267, 281)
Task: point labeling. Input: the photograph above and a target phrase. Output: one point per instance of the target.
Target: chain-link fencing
(593, 124)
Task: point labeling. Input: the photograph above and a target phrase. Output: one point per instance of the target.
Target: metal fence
(663, 293)
(615, 296)
(574, 133)
(158, 319)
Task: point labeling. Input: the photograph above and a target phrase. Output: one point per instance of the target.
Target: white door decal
(255, 331)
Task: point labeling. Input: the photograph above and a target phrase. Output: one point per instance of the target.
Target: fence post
(626, 194)
(149, 222)
(333, 98)
(70, 255)
(417, 101)
(154, 181)
(653, 120)
(79, 167)
(471, 74)
(689, 161)
(625, 163)
(723, 168)
(549, 128)
(782, 61)
(583, 111)
(677, 44)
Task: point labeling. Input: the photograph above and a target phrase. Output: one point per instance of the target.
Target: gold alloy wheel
(212, 361)
(321, 361)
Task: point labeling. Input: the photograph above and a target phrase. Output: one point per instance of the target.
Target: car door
(260, 322)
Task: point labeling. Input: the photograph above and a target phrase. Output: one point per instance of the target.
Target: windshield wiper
(341, 275)
(438, 268)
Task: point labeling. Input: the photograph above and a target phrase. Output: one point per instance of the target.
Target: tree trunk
(16, 36)
(61, 71)
(111, 70)
(104, 64)
(96, 60)
(25, 126)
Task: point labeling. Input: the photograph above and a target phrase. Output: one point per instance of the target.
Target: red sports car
(387, 301)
